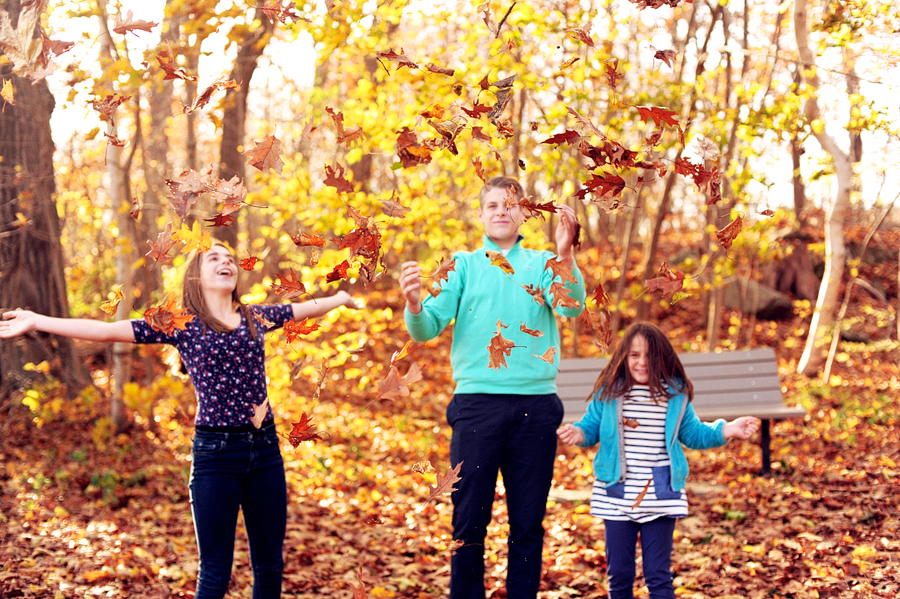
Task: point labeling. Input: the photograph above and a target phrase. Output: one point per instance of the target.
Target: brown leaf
(532, 332)
(498, 259)
(408, 348)
(424, 467)
(561, 270)
(612, 72)
(631, 422)
(266, 154)
(479, 169)
(600, 296)
(259, 413)
(667, 281)
(548, 356)
(185, 191)
(160, 249)
(127, 24)
(445, 482)
(582, 34)
(334, 177)
(137, 206)
(395, 386)
(499, 349)
(537, 293)
(532, 208)
(108, 105)
(641, 495)
(168, 317)
(410, 151)
(346, 137)
(303, 431)
(562, 296)
(173, 71)
(220, 220)
(206, 95)
(112, 305)
(401, 59)
(727, 235)
(433, 68)
(659, 115)
(445, 267)
(667, 56)
(338, 272)
(304, 240)
(289, 285)
(392, 208)
(360, 591)
(282, 10)
(568, 137)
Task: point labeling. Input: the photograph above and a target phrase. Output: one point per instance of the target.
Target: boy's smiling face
(501, 222)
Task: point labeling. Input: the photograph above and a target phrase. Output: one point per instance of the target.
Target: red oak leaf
(220, 220)
(499, 349)
(334, 177)
(727, 235)
(339, 272)
(303, 431)
(294, 329)
(289, 285)
(401, 59)
(659, 115)
(160, 249)
(168, 317)
(667, 281)
(249, 263)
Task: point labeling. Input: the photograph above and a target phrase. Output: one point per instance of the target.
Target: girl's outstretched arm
(741, 428)
(569, 434)
(324, 305)
(19, 322)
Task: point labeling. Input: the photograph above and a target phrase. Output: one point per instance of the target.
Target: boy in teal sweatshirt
(505, 353)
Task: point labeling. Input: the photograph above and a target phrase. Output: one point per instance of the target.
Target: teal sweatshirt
(478, 294)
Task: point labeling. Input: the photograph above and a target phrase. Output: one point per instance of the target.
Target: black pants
(515, 435)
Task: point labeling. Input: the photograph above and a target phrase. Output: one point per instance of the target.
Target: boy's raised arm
(19, 322)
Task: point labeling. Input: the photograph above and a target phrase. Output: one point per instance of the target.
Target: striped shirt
(647, 467)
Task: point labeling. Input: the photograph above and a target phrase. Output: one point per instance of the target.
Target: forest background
(709, 150)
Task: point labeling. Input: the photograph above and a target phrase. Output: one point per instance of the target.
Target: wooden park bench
(726, 385)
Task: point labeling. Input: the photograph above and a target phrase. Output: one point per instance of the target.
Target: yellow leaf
(112, 305)
(7, 92)
(193, 238)
(498, 259)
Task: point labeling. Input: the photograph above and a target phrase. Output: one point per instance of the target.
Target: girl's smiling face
(638, 366)
(218, 270)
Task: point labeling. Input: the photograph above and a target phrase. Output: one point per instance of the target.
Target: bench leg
(765, 443)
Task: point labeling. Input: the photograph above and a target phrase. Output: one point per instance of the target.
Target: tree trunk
(823, 316)
(31, 258)
(231, 160)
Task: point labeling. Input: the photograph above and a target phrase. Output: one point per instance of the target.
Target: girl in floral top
(236, 464)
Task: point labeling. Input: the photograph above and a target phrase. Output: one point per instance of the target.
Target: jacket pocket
(616, 490)
(662, 483)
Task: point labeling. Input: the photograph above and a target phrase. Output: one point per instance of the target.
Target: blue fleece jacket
(605, 422)
(478, 294)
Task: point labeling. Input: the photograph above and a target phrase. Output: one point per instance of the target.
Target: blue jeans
(656, 548)
(515, 435)
(232, 471)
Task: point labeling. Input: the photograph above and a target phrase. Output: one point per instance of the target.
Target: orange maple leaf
(548, 357)
(249, 263)
(537, 293)
(339, 272)
(266, 154)
(498, 259)
(334, 177)
(499, 348)
(659, 115)
(303, 431)
(444, 483)
(112, 305)
(294, 329)
(206, 95)
(304, 239)
(167, 318)
(445, 267)
(532, 332)
(289, 285)
(395, 386)
(561, 270)
(727, 235)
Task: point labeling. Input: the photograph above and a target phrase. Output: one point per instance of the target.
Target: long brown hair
(667, 376)
(192, 298)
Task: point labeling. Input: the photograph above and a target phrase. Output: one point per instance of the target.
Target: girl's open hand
(17, 322)
(570, 434)
(741, 428)
(349, 301)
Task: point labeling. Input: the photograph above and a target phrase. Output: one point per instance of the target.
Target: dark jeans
(516, 435)
(656, 548)
(232, 471)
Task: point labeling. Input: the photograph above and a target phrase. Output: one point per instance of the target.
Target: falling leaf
(303, 431)
(641, 495)
(108, 105)
(612, 72)
(445, 483)
(408, 348)
(499, 349)
(159, 250)
(582, 34)
(667, 281)
(395, 386)
(173, 71)
(767, 212)
(294, 329)
(727, 235)
(422, 467)
(667, 56)
(532, 332)
(562, 296)
(445, 267)
(605, 184)
(304, 240)
(259, 413)
(360, 591)
(268, 324)
(289, 285)
(266, 155)
(532, 208)
(122, 26)
(185, 190)
(194, 238)
(137, 206)
(659, 115)
(205, 96)
(477, 110)
(569, 63)
(167, 318)
(392, 208)
(334, 177)
(119, 143)
(231, 193)
(600, 296)
(282, 10)
(401, 59)
(249, 263)
(498, 259)
(410, 151)
(631, 422)
(345, 136)
(599, 328)
(339, 272)
(433, 68)
(549, 356)
(112, 305)
(479, 168)
(220, 220)
(561, 270)
(7, 92)
(537, 293)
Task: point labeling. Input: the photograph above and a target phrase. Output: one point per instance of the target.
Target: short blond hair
(502, 183)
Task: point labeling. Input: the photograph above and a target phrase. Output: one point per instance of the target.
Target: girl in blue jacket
(641, 414)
